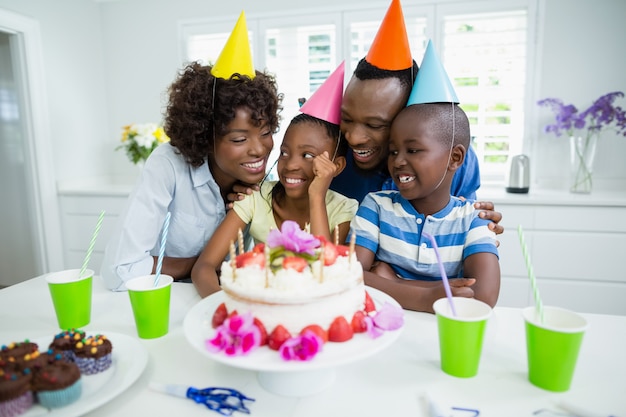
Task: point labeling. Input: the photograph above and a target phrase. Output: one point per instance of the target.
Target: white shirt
(167, 183)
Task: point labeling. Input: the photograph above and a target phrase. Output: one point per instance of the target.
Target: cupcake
(19, 356)
(32, 361)
(64, 342)
(13, 352)
(16, 396)
(93, 354)
(57, 384)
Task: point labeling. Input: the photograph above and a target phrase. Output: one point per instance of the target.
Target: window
(482, 44)
(486, 53)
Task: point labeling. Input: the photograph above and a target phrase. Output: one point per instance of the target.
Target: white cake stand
(288, 378)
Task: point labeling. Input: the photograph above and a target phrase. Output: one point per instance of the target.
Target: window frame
(343, 16)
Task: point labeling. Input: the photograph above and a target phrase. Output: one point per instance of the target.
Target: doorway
(18, 260)
(30, 232)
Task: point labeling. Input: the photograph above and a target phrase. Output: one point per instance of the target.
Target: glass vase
(582, 154)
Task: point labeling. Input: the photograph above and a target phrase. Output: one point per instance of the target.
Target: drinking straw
(166, 226)
(91, 244)
(442, 271)
(531, 273)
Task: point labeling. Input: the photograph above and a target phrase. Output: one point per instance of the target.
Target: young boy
(429, 140)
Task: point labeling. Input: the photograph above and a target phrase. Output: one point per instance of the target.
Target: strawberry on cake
(297, 286)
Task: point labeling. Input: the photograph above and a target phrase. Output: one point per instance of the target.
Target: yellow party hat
(236, 57)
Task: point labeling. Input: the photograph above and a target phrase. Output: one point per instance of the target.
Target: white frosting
(296, 299)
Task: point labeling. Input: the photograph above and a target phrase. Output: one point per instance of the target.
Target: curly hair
(366, 71)
(201, 106)
(332, 132)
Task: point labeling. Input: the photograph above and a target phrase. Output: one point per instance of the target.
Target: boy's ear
(340, 163)
(457, 157)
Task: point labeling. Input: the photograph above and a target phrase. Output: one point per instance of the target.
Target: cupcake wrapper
(68, 355)
(61, 397)
(17, 406)
(90, 366)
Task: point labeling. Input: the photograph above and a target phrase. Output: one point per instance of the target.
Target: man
(378, 90)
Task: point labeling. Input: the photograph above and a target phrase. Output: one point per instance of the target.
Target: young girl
(311, 154)
(221, 129)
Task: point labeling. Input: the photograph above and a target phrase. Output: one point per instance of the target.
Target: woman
(220, 133)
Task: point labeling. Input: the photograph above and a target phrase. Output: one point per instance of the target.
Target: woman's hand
(239, 192)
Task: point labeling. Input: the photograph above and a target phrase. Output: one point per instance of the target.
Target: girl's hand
(324, 170)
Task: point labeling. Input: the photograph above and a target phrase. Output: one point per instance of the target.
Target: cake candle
(336, 234)
(322, 263)
(233, 258)
(240, 241)
(352, 244)
(267, 265)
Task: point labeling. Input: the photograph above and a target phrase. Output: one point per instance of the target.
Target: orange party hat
(236, 57)
(325, 103)
(432, 84)
(390, 49)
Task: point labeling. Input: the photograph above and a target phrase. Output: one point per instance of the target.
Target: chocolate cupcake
(16, 396)
(57, 384)
(20, 355)
(93, 354)
(64, 342)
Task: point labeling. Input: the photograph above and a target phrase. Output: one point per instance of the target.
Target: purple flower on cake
(292, 238)
(238, 335)
(388, 317)
(301, 348)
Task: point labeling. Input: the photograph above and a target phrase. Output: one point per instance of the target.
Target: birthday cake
(296, 284)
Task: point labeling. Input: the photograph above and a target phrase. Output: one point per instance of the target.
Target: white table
(389, 383)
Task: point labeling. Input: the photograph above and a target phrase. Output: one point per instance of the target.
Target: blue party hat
(432, 84)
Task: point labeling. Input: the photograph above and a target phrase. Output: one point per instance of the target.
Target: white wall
(74, 78)
(581, 59)
(109, 63)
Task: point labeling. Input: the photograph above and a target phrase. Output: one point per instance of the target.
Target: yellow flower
(160, 135)
(140, 139)
(125, 133)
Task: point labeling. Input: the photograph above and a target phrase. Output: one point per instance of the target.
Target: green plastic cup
(552, 346)
(71, 296)
(461, 336)
(151, 304)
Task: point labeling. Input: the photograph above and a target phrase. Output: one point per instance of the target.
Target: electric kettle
(518, 178)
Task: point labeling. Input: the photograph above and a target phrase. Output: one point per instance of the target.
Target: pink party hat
(325, 103)
(390, 49)
(432, 84)
(236, 56)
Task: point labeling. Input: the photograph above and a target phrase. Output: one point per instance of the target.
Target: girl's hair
(366, 71)
(201, 106)
(332, 133)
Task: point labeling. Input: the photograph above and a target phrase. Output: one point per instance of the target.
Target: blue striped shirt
(388, 225)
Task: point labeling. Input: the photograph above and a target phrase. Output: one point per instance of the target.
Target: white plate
(129, 361)
(198, 329)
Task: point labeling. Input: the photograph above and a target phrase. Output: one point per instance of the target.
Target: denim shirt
(167, 183)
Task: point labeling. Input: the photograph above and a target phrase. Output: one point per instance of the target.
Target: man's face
(367, 110)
